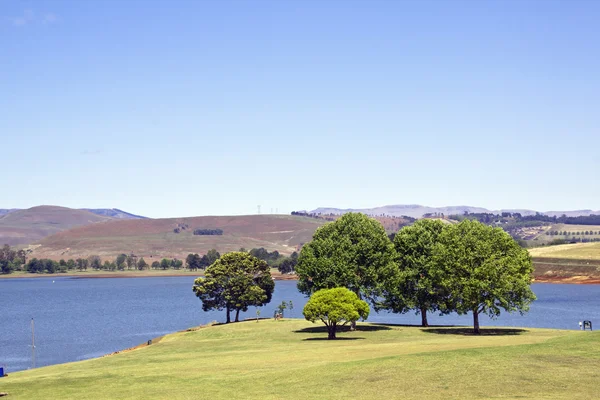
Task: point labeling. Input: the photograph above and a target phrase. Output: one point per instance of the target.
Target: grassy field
(580, 251)
(290, 360)
(573, 231)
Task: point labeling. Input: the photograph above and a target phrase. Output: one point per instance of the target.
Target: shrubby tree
(142, 264)
(121, 261)
(165, 263)
(335, 307)
(155, 265)
(94, 262)
(484, 269)
(420, 283)
(235, 282)
(193, 262)
(176, 264)
(352, 252)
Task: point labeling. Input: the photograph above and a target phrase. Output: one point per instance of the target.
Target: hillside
(417, 211)
(576, 251)
(26, 226)
(289, 359)
(156, 238)
(113, 213)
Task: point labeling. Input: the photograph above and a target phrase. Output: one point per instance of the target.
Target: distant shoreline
(94, 275)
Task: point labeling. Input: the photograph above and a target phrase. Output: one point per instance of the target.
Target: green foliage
(176, 264)
(10, 259)
(165, 263)
(335, 307)
(193, 262)
(121, 260)
(419, 284)
(155, 265)
(94, 262)
(353, 252)
(209, 258)
(142, 264)
(235, 281)
(209, 232)
(485, 269)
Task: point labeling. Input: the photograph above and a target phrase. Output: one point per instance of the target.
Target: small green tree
(352, 252)
(335, 307)
(142, 264)
(485, 270)
(193, 262)
(281, 308)
(121, 261)
(165, 263)
(155, 265)
(235, 281)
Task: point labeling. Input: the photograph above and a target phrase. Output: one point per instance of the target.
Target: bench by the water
(585, 325)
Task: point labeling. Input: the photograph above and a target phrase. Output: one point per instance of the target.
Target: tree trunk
(228, 316)
(237, 315)
(476, 322)
(331, 331)
(352, 326)
(424, 317)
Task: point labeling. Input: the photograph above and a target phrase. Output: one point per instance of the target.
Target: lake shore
(576, 279)
(127, 274)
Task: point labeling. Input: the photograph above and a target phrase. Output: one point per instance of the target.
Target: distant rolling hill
(113, 213)
(26, 226)
(106, 212)
(156, 238)
(417, 211)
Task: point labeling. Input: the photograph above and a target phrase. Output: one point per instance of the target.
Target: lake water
(76, 318)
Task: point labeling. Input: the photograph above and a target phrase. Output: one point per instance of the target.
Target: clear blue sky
(180, 108)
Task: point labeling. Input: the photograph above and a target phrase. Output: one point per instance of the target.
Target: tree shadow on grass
(464, 331)
(333, 340)
(341, 329)
(393, 326)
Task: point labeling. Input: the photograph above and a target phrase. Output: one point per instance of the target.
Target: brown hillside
(27, 226)
(155, 238)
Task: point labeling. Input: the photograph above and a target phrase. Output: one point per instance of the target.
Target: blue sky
(180, 108)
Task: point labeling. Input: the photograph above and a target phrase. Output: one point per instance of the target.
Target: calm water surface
(76, 319)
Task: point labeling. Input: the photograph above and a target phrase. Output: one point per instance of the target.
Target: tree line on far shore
(16, 260)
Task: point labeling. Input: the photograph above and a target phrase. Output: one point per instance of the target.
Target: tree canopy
(485, 270)
(335, 307)
(352, 252)
(419, 284)
(235, 281)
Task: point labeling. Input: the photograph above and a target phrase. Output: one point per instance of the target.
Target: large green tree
(335, 307)
(235, 281)
(352, 252)
(419, 284)
(485, 269)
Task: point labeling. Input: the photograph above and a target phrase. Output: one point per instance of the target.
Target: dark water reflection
(76, 319)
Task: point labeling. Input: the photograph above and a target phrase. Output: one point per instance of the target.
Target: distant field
(289, 359)
(154, 238)
(581, 251)
(573, 231)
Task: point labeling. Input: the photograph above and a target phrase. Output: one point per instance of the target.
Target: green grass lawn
(290, 360)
